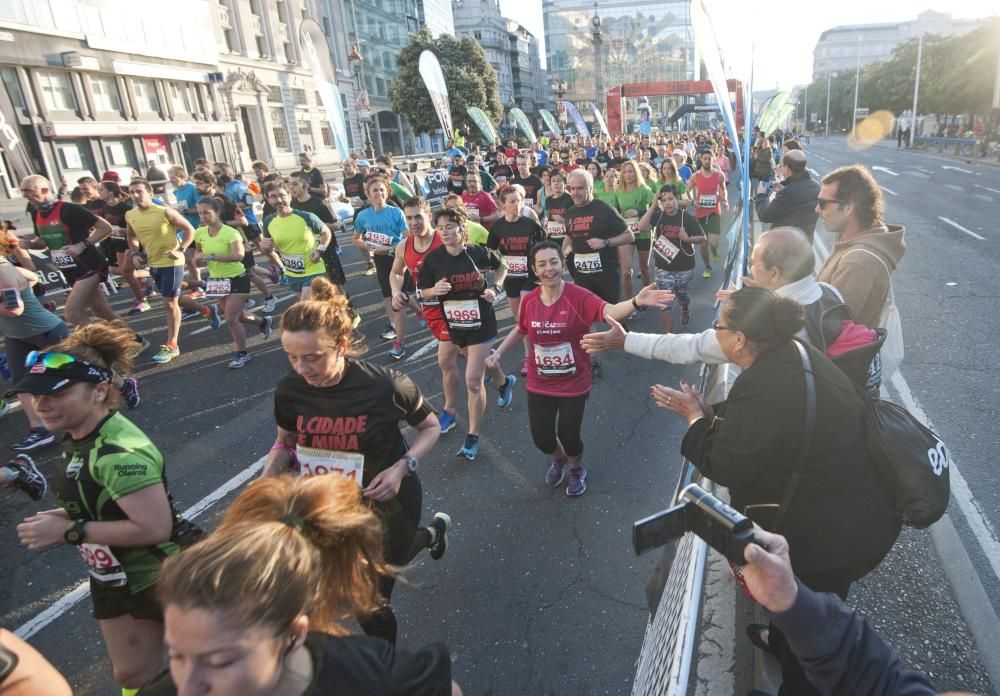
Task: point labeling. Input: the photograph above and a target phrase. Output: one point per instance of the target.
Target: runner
(513, 236)
(238, 192)
(292, 234)
(64, 230)
(222, 247)
(668, 175)
(313, 177)
(479, 205)
(381, 228)
(266, 594)
(675, 232)
(553, 318)
(115, 202)
(501, 171)
(707, 188)
(354, 193)
(153, 226)
(533, 186)
(338, 414)
(557, 202)
(302, 199)
(455, 275)
(602, 191)
(476, 234)
(187, 197)
(632, 200)
(111, 487)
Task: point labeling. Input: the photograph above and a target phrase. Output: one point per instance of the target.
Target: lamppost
(857, 82)
(559, 87)
(356, 62)
(828, 75)
(598, 39)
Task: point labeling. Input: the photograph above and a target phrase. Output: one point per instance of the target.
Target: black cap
(44, 381)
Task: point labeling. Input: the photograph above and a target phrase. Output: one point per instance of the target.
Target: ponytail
(106, 344)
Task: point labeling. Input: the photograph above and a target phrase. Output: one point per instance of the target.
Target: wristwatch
(411, 463)
(75, 534)
(607, 243)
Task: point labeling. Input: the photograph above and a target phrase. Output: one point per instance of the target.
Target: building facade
(482, 21)
(643, 41)
(437, 16)
(843, 47)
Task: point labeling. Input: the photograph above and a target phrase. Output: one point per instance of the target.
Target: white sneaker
(269, 304)
(239, 361)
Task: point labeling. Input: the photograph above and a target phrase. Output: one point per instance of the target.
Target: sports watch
(411, 463)
(75, 534)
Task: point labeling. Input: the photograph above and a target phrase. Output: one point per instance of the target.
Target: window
(299, 96)
(116, 154)
(327, 135)
(305, 135)
(279, 127)
(105, 91)
(274, 94)
(146, 101)
(179, 98)
(10, 81)
(478, 35)
(57, 91)
(380, 86)
(347, 121)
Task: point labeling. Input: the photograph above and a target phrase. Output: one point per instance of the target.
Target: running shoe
(130, 392)
(715, 254)
(421, 319)
(267, 328)
(190, 314)
(577, 482)
(30, 480)
(196, 294)
(471, 447)
(389, 334)
(239, 361)
(139, 308)
(506, 391)
(524, 366)
(446, 420)
(37, 437)
(150, 292)
(213, 316)
(4, 407)
(251, 303)
(269, 304)
(596, 371)
(707, 273)
(275, 273)
(440, 525)
(166, 354)
(371, 269)
(685, 315)
(557, 471)
(397, 351)
(356, 321)
(138, 347)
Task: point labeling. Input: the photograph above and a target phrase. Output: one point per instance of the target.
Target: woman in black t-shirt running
(337, 415)
(265, 604)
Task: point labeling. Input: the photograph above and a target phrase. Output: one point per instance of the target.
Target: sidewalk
(945, 156)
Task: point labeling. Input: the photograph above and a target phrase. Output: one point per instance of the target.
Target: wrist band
(638, 307)
(282, 446)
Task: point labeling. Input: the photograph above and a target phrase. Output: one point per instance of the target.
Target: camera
(722, 528)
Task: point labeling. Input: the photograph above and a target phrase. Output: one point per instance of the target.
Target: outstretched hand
(612, 339)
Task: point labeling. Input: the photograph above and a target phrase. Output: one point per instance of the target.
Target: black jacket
(793, 206)
(841, 518)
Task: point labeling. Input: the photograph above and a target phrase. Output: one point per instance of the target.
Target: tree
(471, 81)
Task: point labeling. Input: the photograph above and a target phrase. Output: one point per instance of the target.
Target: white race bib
(378, 240)
(501, 180)
(462, 314)
(517, 266)
(105, 568)
(62, 259)
(633, 224)
(588, 263)
(554, 361)
(707, 201)
(294, 263)
(665, 249)
(317, 462)
(218, 287)
(118, 232)
(472, 212)
(356, 202)
(556, 230)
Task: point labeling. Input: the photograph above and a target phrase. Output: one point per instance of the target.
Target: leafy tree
(471, 81)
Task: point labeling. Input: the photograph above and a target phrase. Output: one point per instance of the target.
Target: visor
(42, 380)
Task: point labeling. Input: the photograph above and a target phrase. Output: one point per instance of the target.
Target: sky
(783, 32)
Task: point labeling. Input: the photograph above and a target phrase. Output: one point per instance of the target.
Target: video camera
(722, 528)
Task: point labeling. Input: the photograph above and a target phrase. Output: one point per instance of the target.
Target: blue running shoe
(577, 482)
(506, 392)
(446, 420)
(471, 447)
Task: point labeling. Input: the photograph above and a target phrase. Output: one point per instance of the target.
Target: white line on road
(813, 172)
(889, 191)
(821, 157)
(957, 169)
(959, 227)
(988, 188)
(424, 350)
(256, 308)
(80, 592)
(884, 169)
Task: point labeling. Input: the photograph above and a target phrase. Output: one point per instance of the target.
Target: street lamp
(559, 87)
(356, 61)
(857, 81)
(598, 39)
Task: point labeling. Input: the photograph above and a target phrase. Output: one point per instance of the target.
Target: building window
(10, 81)
(347, 121)
(327, 135)
(306, 136)
(179, 98)
(57, 91)
(116, 153)
(299, 96)
(279, 127)
(146, 101)
(478, 35)
(380, 86)
(105, 91)
(274, 94)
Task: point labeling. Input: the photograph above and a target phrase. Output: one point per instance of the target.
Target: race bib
(530, 202)
(356, 202)
(294, 263)
(62, 259)
(462, 314)
(517, 266)
(118, 232)
(555, 230)
(554, 361)
(633, 225)
(501, 180)
(105, 568)
(665, 249)
(317, 462)
(707, 201)
(472, 212)
(378, 240)
(218, 287)
(588, 263)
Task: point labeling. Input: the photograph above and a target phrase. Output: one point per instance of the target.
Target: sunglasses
(51, 361)
(823, 202)
(719, 327)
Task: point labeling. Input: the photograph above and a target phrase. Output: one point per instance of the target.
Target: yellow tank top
(156, 235)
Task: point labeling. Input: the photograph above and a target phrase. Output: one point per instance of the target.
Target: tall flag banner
(317, 55)
(704, 36)
(574, 113)
(550, 122)
(600, 120)
(769, 119)
(430, 71)
(764, 107)
(482, 122)
(521, 119)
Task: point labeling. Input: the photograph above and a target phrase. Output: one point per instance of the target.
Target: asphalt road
(538, 594)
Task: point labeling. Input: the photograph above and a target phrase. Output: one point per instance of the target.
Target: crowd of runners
(573, 234)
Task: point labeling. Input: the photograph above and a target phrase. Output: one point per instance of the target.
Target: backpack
(824, 323)
(891, 354)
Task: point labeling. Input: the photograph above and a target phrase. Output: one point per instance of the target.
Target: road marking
(424, 350)
(884, 169)
(812, 171)
(813, 154)
(957, 169)
(889, 191)
(80, 592)
(988, 188)
(955, 187)
(984, 197)
(959, 227)
(277, 301)
(983, 531)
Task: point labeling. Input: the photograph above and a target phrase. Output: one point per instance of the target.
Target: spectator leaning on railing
(794, 202)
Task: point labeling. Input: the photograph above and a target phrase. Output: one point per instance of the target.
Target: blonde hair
(287, 546)
(326, 312)
(106, 344)
(640, 180)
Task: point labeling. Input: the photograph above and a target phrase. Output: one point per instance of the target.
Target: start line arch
(616, 112)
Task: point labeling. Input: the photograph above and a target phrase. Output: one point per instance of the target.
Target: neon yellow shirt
(156, 235)
(295, 240)
(220, 245)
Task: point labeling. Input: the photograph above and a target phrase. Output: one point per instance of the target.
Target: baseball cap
(364, 163)
(52, 373)
(111, 176)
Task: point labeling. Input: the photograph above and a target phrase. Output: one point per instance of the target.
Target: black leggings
(543, 412)
(404, 539)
